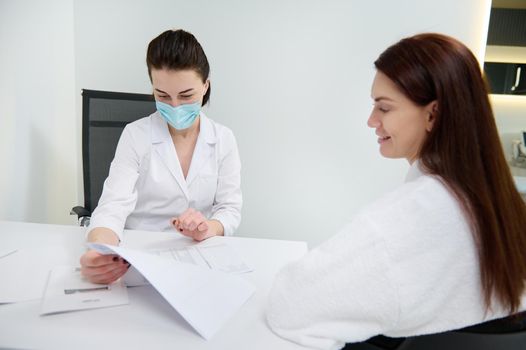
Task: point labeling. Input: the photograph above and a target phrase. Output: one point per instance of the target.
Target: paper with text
(67, 290)
(219, 257)
(205, 298)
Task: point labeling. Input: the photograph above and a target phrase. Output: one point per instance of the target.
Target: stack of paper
(205, 298)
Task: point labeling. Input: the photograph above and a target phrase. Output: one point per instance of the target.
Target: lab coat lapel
(204, 148)
(164, 147)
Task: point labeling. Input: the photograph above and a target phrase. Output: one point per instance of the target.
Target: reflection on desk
(147, 320)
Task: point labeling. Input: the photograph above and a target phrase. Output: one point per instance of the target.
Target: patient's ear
(431, 115)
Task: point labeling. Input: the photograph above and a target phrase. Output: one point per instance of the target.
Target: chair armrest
(79, 211)
(83, 215)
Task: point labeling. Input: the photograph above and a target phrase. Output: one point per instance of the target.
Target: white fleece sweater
(406, 265)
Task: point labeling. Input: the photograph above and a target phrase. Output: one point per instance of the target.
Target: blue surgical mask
(180, 117)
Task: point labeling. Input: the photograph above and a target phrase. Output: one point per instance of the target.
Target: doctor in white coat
(173, 170)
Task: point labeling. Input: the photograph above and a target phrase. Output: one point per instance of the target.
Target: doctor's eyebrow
(185, 91)
(182, 92)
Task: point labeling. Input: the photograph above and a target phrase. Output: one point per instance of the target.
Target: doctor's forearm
(216, 227)
(103, 235)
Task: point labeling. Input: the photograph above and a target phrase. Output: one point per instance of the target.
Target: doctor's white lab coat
(146, 187)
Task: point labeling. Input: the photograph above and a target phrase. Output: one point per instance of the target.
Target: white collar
(415, 171)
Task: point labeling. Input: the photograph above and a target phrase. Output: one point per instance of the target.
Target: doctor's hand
(192, 223)
(104, 269)
(98, 268)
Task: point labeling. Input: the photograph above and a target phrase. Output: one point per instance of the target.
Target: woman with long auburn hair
(445, 250)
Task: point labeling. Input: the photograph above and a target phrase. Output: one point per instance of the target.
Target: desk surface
(148, 321)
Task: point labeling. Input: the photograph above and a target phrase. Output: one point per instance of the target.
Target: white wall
(291, 78)
(510, 115)
(37, 118)
(510, 112)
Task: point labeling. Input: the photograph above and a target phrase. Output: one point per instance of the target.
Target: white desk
(148, 321)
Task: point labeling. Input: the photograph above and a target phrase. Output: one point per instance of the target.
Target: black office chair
(104, 116)
(507, 333)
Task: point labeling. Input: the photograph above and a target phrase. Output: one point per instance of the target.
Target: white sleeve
(339, 292)
(119, 194)
(228, 199)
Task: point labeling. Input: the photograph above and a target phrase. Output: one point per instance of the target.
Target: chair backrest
(104, 116)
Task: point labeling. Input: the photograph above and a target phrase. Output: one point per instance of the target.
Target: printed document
(67, 290)
(205, 298)
(217, 256)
